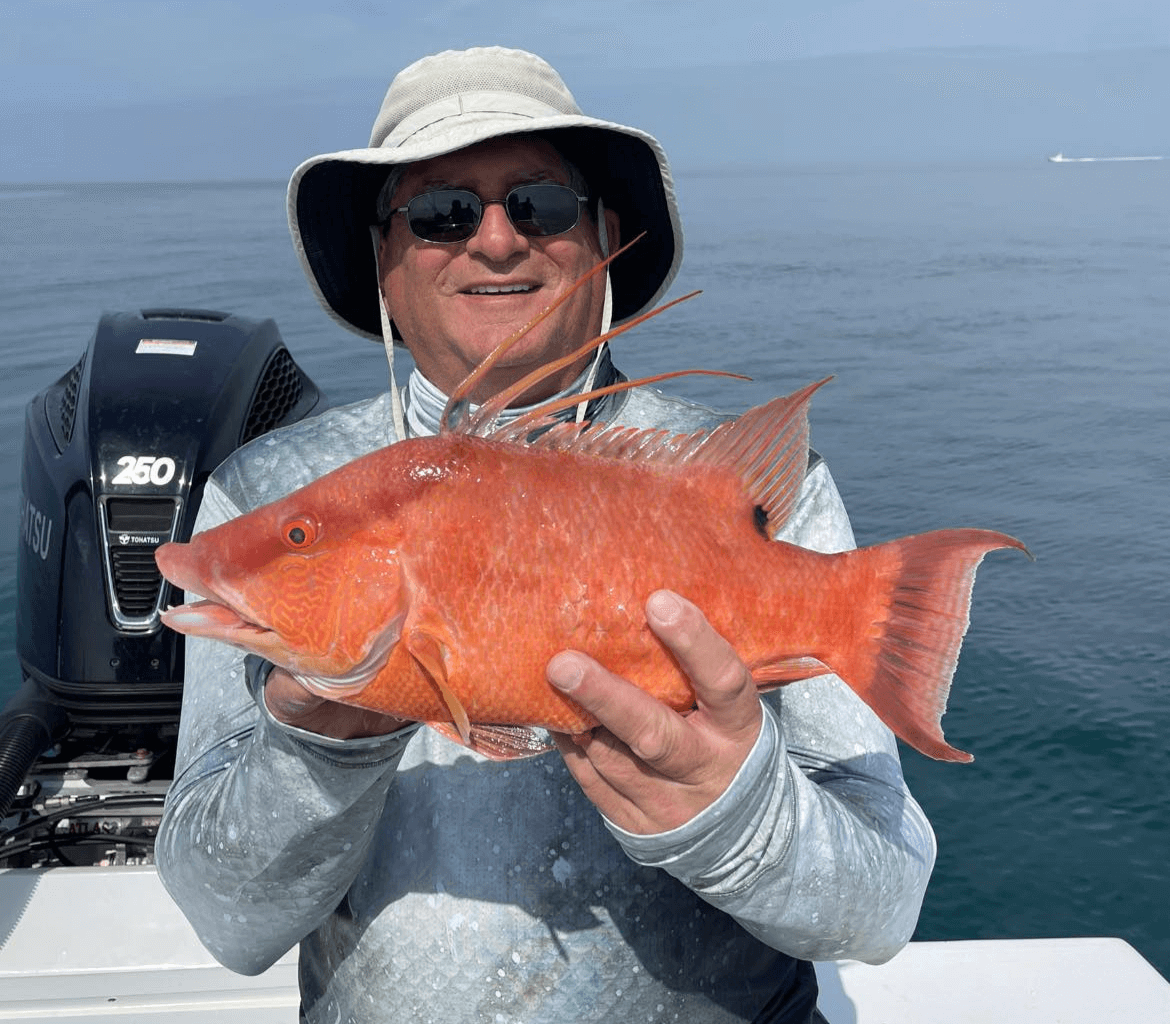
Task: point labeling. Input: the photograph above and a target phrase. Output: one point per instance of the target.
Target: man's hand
(292, 704)
(646, 767)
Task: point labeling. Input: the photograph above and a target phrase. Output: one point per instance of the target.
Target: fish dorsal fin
(482, 423)
(767, 447)
(544, 416)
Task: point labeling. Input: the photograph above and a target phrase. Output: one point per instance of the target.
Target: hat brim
(332, 198)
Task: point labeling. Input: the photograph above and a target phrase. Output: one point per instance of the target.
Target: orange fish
(434, 579)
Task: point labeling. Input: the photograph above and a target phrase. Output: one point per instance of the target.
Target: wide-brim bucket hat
(456, 99)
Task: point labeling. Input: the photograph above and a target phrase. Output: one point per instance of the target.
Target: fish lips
(211, 619)
(221, 616)
(218, 617)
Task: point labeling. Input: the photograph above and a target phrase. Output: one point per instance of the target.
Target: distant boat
(1060, 158)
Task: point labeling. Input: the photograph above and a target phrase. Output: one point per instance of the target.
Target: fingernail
(565, 672)
(664, 606)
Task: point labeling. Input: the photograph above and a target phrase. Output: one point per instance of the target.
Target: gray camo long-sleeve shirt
(424, 883)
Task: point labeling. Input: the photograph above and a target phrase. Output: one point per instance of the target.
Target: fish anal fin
(432, 655)
(498, 742)
(769, 675)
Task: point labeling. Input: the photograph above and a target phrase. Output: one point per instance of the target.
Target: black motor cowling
(116, 454)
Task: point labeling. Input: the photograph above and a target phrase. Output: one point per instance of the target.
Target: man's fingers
(646, 725)
(723, 686)
(287, 699)
(648, 768)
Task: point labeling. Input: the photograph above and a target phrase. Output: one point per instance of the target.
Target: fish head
(312, 583)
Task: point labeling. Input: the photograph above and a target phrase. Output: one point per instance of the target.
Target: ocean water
(998, 340)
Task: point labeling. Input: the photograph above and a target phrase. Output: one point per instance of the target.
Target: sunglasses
(450, 215)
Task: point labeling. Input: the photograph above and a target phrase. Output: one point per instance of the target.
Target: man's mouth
(501, 289)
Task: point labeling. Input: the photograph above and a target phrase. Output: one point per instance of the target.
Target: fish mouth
(220, 615)
(211, 620)
(223, 615)
(214, 620)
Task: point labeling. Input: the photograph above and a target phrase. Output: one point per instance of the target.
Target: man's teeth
(500, 289)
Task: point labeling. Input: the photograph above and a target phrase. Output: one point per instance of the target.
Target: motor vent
(136, 581)
(278, 392)
(134, 527)
(61, 405)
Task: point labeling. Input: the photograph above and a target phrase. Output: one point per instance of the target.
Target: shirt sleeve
(265, 825)
(817, 847)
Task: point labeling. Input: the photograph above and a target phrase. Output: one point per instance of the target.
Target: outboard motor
(116, 454)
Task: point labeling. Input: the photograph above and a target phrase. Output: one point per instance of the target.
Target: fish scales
(434, 579)
(560, 551)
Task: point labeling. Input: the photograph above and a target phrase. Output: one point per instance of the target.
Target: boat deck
(86, 945)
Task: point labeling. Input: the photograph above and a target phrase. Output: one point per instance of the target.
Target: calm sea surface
(999, 340)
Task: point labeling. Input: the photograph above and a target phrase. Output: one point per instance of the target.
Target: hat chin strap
(396, 414)
(606, 311)
(396, 411)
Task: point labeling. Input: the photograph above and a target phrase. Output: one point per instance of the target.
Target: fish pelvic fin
(499, 742)
(914, 597)
(767, 447)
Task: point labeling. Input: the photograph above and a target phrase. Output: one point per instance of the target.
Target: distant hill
(939, 105)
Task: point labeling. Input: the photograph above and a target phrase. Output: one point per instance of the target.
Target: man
(423, 883)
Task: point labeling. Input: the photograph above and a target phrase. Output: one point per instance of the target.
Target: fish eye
(299, 533)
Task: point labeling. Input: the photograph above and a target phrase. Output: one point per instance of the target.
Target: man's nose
(496, 237)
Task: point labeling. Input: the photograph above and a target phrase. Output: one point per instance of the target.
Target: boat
(116, 453)
(1060, 158)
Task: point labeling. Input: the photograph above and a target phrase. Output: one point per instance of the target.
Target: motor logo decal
(145, 469)
(165, 347)
(141, 538)
(35, 528)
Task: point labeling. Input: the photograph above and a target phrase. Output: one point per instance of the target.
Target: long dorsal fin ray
(460, 397)
(767, 447)
(544, 415)
(481, 422)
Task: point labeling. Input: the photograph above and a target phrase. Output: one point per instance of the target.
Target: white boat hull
(79, 945)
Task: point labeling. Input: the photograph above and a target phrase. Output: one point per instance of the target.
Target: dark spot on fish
(761, 517)
(296, 535)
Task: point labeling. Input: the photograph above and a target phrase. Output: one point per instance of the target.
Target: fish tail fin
(915, 597)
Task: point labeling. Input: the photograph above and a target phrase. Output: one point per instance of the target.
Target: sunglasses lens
(543, 209)
(453, 214)
(446, 215)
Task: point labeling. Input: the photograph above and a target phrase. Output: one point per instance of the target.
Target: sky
(134, 89)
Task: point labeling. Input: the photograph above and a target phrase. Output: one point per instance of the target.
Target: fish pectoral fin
(769, 675)
(432, 654)
(499, 742)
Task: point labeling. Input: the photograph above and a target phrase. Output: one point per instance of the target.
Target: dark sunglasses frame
(522, 205)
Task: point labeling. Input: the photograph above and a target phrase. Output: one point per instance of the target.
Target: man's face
(447, 301)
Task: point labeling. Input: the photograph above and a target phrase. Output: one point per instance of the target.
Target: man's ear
(613, 232)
